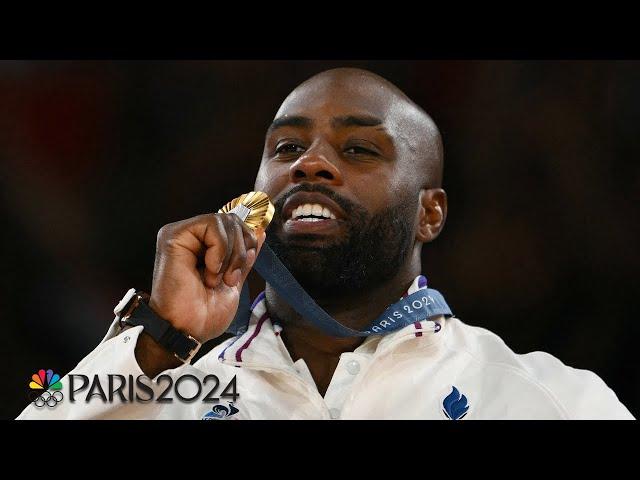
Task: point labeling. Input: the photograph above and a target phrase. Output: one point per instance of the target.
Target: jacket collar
(262, 347)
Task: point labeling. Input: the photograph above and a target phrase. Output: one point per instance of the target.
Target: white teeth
(311, 209)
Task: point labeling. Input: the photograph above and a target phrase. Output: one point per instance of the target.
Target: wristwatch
(134, 310)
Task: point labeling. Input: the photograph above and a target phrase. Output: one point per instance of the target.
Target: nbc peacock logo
(45, 389)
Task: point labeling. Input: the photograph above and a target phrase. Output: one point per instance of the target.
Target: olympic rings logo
(48, 399)
(40, 384)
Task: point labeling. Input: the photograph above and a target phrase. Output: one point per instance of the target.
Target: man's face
(338, 145)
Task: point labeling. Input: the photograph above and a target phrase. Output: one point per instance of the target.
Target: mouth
(311, 213)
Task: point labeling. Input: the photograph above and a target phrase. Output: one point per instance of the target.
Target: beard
(374, 248)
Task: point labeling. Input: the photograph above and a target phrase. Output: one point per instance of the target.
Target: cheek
(271, 181)
(377, 191)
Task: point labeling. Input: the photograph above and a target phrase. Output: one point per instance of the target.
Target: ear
(432, 213)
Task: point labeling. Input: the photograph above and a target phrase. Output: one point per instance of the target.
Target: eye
(357, 150)
(289, 148)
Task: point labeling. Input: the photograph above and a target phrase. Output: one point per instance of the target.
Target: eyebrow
(356, 121)
(336, 122)
(286, 121)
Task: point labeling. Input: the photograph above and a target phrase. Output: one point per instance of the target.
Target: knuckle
(218, 219)
(241, 258)
(238, 224)
(169, 243)
(218, 226)
(224, 221)
(164, 234)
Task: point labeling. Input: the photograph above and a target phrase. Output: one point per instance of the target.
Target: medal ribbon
(420, 305)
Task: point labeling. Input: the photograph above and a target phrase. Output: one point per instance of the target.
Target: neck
(356, 309)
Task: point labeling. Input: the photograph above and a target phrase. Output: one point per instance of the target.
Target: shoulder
(578, 393)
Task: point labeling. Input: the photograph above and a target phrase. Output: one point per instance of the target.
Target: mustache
(346, 205)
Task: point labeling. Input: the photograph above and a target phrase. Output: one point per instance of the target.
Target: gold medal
(254, 209)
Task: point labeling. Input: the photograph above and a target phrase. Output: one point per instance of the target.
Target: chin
(307, 265)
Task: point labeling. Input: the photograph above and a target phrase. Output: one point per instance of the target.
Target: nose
(318, 163)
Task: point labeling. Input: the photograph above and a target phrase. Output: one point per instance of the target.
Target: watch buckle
(192, 353)
(130, 307)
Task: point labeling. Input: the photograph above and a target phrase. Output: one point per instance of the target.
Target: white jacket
(440, 369)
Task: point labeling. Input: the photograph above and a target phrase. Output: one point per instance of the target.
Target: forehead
(325, 98)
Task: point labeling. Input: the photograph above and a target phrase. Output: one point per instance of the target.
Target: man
(354, 168)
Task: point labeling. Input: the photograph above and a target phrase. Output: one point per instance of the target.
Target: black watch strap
(182, 345)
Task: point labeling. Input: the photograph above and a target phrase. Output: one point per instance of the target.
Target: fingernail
(217, 269)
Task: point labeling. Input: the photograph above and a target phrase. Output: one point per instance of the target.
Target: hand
(200, 267)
